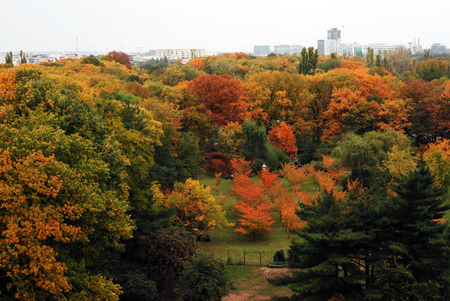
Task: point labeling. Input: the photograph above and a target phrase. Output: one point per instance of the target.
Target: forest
(110, 173)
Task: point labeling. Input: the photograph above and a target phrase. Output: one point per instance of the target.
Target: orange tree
(63, 194)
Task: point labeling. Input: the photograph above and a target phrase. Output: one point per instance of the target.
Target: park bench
(276, 264)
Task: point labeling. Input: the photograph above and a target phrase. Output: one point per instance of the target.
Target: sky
(228, 25)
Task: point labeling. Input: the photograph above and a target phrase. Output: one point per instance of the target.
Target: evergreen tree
(9, 58)
(414, 238)
(23, 58)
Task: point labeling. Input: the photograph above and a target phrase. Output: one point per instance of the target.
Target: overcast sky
(227, 25)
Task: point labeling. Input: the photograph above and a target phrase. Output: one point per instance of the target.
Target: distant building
(326, 47)
(349, 49)
(416, 47)
(296, 49)
(334, 34)
(180, 54)
(261, 50)
(377, 48)
(438, 48)
(321, 47)
(282, 49)
(330, 45)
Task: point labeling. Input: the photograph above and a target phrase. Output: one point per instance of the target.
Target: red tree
(221, 97)
(283, 137)
(119, 57)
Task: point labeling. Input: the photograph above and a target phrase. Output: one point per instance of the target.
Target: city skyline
(101, 26)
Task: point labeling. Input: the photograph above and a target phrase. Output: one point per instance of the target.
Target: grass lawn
(226, 243)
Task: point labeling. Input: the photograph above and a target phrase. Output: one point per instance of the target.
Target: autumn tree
(220, 97)
(119, 57)
(253, 208)
(437, 159)
(64, 195)
(195, 207)
(283, 137)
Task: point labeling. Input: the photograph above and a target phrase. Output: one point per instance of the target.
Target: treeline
(99, 159)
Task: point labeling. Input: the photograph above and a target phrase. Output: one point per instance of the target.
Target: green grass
(228, 243)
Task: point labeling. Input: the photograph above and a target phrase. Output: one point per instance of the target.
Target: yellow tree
(194, 206)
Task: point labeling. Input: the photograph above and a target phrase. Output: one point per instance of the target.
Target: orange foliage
(267, 178)
(222, 97)
(7, 82)
(295, 175)
(253, 207)
(290, 219)
(327, 161)
(198, 63)
(352, 65)
(283, 137)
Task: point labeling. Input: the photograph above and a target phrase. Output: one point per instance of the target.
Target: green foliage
(164, 255)
(189, 154)
(308, 61)
(329, 64)
(365, 154)
(92, 60)
(9, 58)
(432, 69)
(204, 279)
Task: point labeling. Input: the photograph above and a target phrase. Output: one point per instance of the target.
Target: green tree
(189, 153)
(370, 57)
(9, 58)
(23, 58)
(204, 279)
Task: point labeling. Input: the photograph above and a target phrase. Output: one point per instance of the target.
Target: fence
(255, 258)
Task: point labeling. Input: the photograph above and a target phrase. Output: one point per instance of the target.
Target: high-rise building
(282, 49)
(330, 45)
(334, 34)
(438, 48)
(326, 47)
(261, 50)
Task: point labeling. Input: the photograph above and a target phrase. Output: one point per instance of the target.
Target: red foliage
(222, 97)
(217, 162)
(283, 137)
(119, 57)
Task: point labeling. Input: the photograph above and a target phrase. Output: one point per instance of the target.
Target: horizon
(102, 26)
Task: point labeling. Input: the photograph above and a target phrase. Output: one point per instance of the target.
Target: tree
(308, 61)
(165, 254)
(364, 247)
(23, 58)
(253, 207)
(437, 159)
(119, 57)
(203, 279)
(221, 97)
(283, 137)
(414, 229)
(9, 58)
(189, 153)
(195, 207)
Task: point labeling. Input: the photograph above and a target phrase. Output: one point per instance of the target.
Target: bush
(204, 279)
(279, 256)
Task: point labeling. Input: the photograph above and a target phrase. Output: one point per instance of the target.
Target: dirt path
(257, 288)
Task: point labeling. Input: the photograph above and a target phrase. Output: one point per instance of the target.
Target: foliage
(204, 278)
(437, 158)
(283, 137)
(119, 57)
(165, 254)
(92, 60)
(195, 207)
